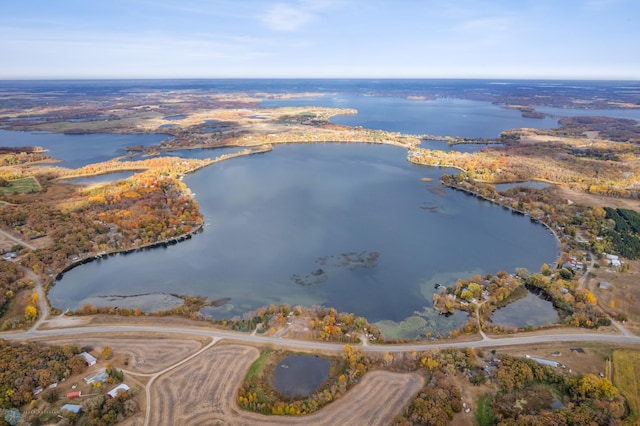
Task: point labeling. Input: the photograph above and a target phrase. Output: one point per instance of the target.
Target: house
(72, 408)
(605, 285)
(615, 262)
(88, 358)
(121, 387)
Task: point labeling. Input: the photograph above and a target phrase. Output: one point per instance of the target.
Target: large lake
(441, 117)
(274, 221)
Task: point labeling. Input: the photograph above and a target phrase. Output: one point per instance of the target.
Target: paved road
(313, 345)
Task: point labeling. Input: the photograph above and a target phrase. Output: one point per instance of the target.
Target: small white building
(72, 408)
(121, 387)
(605, 285)
(88, 358)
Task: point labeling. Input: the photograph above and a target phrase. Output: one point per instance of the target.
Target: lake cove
(532, 310)
(79, 150)
(348, 226)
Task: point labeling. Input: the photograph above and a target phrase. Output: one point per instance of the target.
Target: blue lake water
(359, 212)
(79, 150)
(441, 117)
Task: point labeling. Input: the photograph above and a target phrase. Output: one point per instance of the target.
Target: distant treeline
(625, 234)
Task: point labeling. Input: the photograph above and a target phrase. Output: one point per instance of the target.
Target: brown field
(596, 200)
(145, 355)
(592, 361)
(623, 294)
(204, 391)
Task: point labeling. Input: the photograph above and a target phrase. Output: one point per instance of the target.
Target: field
(142, 355)
(20, 186)
(187, 396)
(623, 294)
(626, 377)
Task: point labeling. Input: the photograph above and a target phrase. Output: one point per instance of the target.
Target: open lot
(144, 355)
(623, 293)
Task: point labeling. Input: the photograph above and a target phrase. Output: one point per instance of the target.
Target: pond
(531, 310)
(460, 147)
(104, 178)
(300, 375)
(175, 117)
(347, 226)
(526, 184)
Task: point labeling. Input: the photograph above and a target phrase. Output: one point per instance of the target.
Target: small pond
(531, 310)
(175, 117)
(461, 147)
(300, 375)
(527, 184)
(107, 177)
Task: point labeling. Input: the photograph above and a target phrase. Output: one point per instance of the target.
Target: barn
(121, 387)
(88, 358)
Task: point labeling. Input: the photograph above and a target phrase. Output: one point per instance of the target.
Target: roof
(604, 284)
(113, 392)
(87, 357)
(100, 377)
(72, 407)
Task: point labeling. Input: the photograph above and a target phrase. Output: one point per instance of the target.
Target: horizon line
(4, 79)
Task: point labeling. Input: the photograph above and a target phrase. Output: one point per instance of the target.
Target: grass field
(484, 415)
(21, 186)
(626, 377)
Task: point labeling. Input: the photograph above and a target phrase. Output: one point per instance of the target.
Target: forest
(624, 236)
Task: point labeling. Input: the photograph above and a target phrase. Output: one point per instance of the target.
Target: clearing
(626, 377)
(21, 186)
(141, 355)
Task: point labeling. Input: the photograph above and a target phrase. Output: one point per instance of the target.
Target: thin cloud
(286, 17)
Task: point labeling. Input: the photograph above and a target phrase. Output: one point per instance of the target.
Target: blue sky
(596, 39)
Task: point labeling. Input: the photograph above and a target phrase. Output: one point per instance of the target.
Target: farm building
(88, 358)
(72, 408)
(100, 377)
(545, 361)
(121, 387)
(75, 394)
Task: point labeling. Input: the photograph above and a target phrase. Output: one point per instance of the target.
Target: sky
(548, 39)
